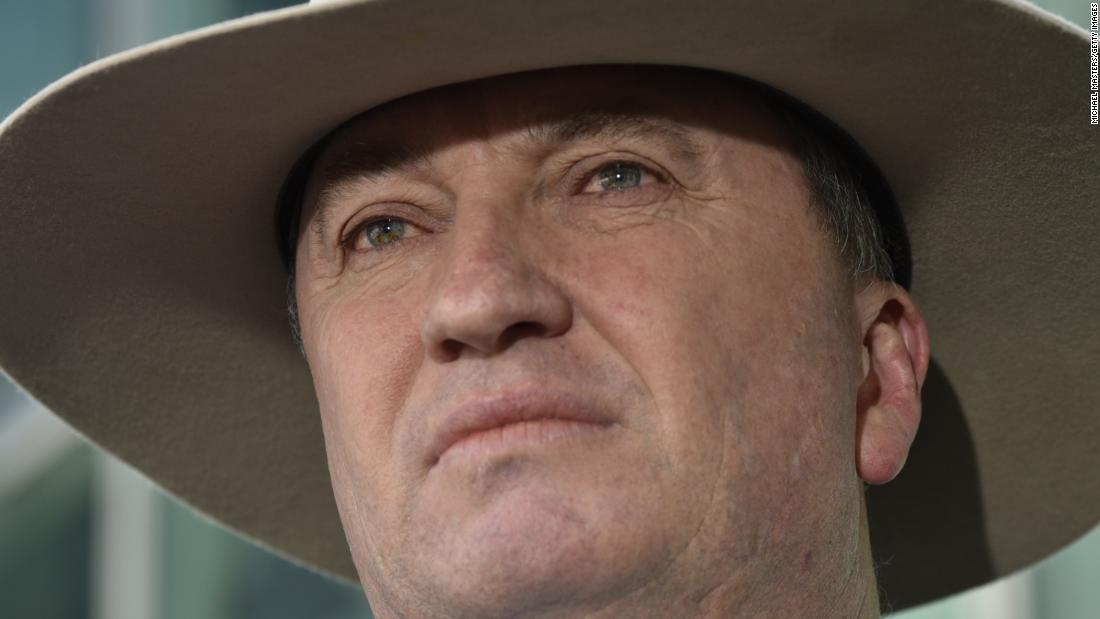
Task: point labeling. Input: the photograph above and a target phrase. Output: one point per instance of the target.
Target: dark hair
(850, 197)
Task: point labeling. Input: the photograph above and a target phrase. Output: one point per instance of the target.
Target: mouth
(516, 419)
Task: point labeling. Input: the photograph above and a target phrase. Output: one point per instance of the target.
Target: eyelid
(414, 200)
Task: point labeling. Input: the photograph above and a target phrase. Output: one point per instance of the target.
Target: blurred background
(84, 536)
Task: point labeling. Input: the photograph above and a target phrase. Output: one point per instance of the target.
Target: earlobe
(888, 404)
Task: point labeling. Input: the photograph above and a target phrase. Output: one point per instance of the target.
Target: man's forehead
(544, 107)
(509, 102)
(369, 153)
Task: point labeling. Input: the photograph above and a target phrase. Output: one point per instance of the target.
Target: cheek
(650, 299)
(788, 338)
(362, 361)
(735, 324)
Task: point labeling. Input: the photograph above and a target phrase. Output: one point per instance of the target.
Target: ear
(895, 363)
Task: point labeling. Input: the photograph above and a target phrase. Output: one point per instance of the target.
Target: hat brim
(145, 299)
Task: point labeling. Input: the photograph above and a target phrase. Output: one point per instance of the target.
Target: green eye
(619, 176)
(383, 232)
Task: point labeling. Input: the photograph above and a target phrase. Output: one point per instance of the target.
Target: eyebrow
(614, 124)
(365, 162)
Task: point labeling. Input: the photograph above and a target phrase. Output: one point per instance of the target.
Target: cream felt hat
(144, 295)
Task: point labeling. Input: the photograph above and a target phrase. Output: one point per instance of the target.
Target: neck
(825, 584)
(837, 579)
(846, 588)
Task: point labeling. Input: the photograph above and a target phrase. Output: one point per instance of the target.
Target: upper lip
(512, 406)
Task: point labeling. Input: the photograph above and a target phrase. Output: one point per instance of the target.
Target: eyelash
(576, 188)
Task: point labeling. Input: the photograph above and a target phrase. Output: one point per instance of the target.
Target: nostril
(520, 330)
(451, 349)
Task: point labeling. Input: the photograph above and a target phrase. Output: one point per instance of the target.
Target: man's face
(631, 245)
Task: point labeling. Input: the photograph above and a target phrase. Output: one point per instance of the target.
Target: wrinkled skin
(698, 304)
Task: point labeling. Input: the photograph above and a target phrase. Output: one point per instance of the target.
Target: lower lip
(522, 435)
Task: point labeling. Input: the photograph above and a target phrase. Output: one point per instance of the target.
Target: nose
(490, 293)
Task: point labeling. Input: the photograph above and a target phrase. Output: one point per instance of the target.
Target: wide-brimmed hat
(144, 295)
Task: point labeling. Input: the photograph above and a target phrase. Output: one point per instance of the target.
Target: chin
(533, 548)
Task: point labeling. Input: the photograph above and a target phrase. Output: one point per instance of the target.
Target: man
(633, 250)
(617, 341)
